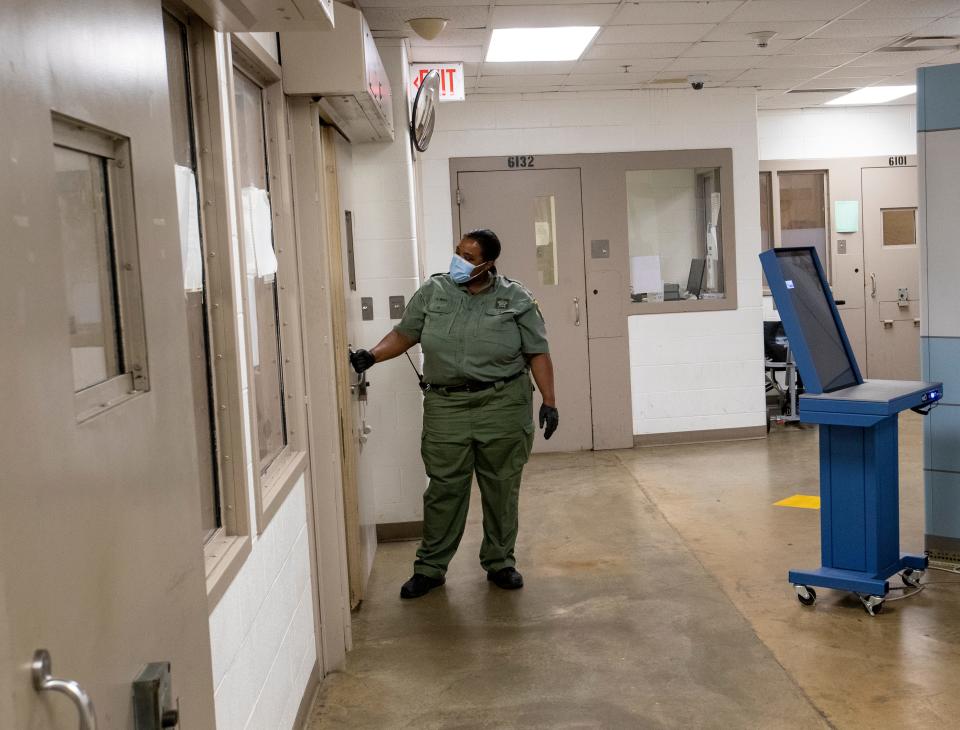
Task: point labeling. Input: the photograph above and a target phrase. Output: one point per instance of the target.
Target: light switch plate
(600, 249)
(397, 305)
(366, 308)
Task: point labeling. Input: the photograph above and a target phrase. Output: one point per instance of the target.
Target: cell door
(892, 265)
(100, 523)
(538, 216)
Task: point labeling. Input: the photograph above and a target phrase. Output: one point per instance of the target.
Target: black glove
(550, 416)
(362, 360)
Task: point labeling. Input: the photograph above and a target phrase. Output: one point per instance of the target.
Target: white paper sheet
(258, 233)
(645, 276)
(191, 252)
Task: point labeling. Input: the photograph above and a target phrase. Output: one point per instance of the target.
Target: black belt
(472, 386)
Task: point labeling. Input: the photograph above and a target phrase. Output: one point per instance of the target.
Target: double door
(538, 216)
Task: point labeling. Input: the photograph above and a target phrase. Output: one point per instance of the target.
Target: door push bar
(44, 681)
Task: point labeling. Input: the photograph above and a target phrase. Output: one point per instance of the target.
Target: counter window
(674, 231)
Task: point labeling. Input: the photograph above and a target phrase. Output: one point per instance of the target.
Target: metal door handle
(576, 308)
(44, 681)
(873, 286)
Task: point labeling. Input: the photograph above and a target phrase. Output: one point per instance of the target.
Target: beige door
(892, 267)
(537, 215)
(101, 559)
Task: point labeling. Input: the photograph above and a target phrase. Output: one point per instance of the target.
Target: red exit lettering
(447, 79)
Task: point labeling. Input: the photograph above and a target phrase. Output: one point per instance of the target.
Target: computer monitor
(811, 319)
(695, 279)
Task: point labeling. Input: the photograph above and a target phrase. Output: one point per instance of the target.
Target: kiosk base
(868, 586)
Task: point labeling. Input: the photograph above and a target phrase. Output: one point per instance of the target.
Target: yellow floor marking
(803, 501)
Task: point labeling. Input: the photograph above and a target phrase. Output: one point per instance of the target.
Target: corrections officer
(480, 332)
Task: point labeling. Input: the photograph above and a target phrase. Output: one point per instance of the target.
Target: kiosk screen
(823, 337)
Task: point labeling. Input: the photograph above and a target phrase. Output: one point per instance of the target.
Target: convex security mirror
(424, 112)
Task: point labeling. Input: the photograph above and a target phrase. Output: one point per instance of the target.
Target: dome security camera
(696, 81)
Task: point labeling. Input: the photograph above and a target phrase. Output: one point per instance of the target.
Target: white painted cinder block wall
(691, 371)
(811, 134)
(385, 251)
(262, 636)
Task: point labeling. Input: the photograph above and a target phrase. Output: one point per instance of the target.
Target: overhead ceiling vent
(923, 43)
(820, 91)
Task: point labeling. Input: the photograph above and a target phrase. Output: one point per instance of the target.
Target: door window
(194, 282)
(545, 235)
(899, 226)
(261, 269)
(803, 211)
(101, 265)
(674, 232)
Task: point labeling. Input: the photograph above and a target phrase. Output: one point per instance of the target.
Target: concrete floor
(655, 596)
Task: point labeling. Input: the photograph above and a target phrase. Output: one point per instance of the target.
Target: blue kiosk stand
(859, 480)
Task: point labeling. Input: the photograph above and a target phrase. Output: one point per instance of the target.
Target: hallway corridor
(655, 597)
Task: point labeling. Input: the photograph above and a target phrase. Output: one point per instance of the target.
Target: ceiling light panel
(682, 33)
(793, 10)
(635, 50)
(539, 44)
(663, 13)
(540, 16)
(873, 95)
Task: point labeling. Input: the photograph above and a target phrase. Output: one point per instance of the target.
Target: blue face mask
(460, 269)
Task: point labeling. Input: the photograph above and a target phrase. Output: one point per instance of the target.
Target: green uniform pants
(489, 433)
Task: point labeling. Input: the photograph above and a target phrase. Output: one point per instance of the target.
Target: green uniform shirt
(465, 336)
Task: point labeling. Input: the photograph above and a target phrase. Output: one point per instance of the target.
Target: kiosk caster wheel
(872, 604)
(806, 595)
(911, 578)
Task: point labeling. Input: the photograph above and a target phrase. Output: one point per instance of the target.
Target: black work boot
(507, 578)
(420, 585)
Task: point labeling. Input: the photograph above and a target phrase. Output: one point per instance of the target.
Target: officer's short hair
(487, 241)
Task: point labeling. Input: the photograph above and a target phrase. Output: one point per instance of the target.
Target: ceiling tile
(698, 63)
(792, 75)
(468, 16)
(838, 45)
(735, 48)
(452, 37)
(528, 69)
(636, 50)
(773, 10)
(864, 28)
(712, 74)
(795, 101)
(899, 58)
(945, 26)
(662, 13)
(517, 81)
(607, 79)
(545, 16)
(860, 72)
(364, 4)
(838, 85)
(822, 61)
(637, 65)
(687, 32)
(785, 30)
(905, 9)
(444, 54)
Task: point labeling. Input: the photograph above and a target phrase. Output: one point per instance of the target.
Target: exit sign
(451, 79)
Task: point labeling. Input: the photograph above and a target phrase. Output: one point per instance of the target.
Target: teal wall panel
(938, 103)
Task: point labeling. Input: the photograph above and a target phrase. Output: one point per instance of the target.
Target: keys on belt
(471, 386)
